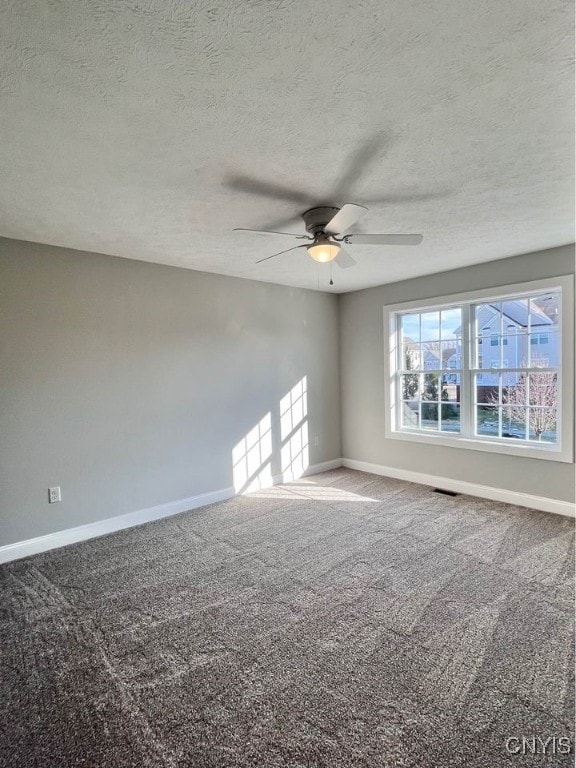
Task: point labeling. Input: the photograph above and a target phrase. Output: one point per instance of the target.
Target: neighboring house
(521, 341)
(434, 358)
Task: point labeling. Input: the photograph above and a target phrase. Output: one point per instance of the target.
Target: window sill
(489, 445)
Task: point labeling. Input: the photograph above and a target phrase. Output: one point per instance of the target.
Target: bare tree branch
(534, 395)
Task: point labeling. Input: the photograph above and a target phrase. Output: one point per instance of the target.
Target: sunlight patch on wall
(294, 458)
(251, 458)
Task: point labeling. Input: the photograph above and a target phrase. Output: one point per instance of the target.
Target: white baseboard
(542, 503)
(325, 466)
(101, 527)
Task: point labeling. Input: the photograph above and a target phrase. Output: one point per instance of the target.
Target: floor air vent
(445, 493)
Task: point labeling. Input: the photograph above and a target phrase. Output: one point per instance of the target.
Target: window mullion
(399, 343)
(466, 390)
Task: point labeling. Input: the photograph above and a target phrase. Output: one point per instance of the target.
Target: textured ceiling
(133, 128)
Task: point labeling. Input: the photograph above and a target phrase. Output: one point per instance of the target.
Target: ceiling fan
(326, 227)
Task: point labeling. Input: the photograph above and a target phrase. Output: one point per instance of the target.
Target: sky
(434, 325)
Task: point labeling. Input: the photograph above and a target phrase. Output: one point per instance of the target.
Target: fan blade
(344, 260)
(397, 199)
(296, 247)
(285, 222)
(267, 189)
(348, 215)
(383, 239)
(270, 232)
(367, 154)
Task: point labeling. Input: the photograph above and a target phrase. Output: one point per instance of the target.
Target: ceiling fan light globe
(324, 252)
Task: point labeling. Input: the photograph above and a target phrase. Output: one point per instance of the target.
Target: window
(442, 389)
(430, 391)
(539, 338)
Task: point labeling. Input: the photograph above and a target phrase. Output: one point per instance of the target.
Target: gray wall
(362, 381)
(129, 383)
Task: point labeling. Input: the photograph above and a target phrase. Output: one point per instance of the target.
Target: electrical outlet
(316, 441)
(54, 495)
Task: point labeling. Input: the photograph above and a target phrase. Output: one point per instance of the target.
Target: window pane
(450, 391)
(514, 388)
(487, 319)
(514, 422)
(486, 387)
(451, 324)
(411, 357)
(542, 424)
(545, 312)
(450, 354)
(430, 391)
(487, 420)
(514, 401)
(410, 416)
(543, 350)
(429, 413)
(543, 389)
(432, 355)
(514, 351)
(450, 414)
(410, 386)
(411, 327)
(514, 316)
(430, 326)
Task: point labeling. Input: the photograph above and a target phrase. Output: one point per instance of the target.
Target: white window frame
(563, 450)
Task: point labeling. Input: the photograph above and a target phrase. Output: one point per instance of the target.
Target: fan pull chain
(331, 281)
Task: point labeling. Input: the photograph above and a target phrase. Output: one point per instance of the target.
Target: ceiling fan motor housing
(316, 219)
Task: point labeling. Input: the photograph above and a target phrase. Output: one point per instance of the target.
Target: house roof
(515, 310)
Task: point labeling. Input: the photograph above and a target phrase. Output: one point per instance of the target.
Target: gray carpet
(343, 620)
